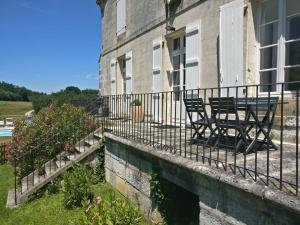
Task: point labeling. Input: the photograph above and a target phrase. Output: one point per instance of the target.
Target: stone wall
(223, 198)
(146, 21)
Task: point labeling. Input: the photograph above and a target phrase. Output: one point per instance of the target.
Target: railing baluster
(297, 142)
(281, 133)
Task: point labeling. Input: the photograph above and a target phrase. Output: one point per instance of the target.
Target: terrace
(161, 120)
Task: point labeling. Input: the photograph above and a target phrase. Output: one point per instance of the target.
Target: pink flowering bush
(53, 130)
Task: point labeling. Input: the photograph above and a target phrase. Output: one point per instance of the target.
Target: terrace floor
(275, 168)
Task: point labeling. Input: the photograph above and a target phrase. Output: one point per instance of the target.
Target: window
(279, 44)
(121, 16)
(178, 63)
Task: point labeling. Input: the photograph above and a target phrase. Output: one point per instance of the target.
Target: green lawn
(14, 109)
(4, 139)
(47, 210)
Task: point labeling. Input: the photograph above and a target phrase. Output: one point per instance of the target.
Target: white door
(157, 83)
(178, 77)
(231, 47)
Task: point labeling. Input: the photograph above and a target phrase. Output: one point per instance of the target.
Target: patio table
(263, 125)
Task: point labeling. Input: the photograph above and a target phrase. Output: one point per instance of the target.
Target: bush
(111, 211)
(76, 187)
(53, 130)
(54, 186)
(100, 170)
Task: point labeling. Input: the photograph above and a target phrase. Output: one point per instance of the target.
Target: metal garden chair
(199, 119)
(225, 115)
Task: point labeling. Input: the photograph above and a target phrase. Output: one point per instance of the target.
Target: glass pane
(184, 60)
(269, 11)
(292, 7)
(268, 58)
(176, 78)
(269, 34)
(292, 53)
(292, 28)
(176, 62)
(176, 94)
(184, 40)
(176, 44)
(184, 77)
(268, 77)
(292, 74)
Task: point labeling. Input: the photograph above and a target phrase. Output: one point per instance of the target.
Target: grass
(4, 139)
(14, 109)
(47, 210)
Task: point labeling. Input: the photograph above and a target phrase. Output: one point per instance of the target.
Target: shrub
(54, 129)
(111, 211)
(100, 170)
(76, 187)
(54, 186)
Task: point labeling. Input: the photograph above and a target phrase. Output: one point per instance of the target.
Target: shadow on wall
(176, 205)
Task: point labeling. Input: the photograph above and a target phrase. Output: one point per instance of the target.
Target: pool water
(6, 133)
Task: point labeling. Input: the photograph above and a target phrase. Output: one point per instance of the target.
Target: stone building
(152, 46)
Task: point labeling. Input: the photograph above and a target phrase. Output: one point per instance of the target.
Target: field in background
(14, 109)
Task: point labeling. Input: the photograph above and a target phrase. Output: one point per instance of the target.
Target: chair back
(223, 108)
(195, 105)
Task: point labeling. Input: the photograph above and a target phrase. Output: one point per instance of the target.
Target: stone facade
(146, 21)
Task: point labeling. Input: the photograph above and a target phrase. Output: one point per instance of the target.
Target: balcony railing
(247, 130)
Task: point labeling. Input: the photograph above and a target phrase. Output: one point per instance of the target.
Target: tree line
(11, 92)
(71, 94)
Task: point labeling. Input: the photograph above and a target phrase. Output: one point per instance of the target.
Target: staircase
(53, 168)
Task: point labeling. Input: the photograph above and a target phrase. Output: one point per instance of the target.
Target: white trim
(291, 66)
(292, 40)
(269, 46)
(268, 23)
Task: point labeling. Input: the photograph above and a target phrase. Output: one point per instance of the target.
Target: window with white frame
(121, 16)
(279, 44)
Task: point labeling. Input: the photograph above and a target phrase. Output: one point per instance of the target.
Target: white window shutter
(128, 58)
(192, 55)
(231, 45)
(157, 65)
(121, 16)
(113, 77)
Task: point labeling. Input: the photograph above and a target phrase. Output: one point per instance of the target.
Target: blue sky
(47, 45)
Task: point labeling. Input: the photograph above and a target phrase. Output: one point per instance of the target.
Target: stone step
(10, 203)
(50, 167)
(29, 181)
(60, 163)
(81, 148)
(98, 135)
(90, 141)
(71, 156)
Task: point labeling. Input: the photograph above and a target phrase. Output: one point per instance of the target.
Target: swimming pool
(6, 132)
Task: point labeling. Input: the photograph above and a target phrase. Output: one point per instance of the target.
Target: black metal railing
(252, 130)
